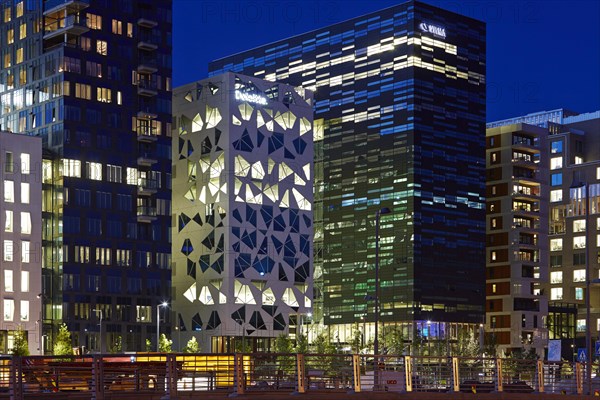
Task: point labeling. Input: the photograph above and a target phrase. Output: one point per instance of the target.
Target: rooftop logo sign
(433, 29)
(251, 98)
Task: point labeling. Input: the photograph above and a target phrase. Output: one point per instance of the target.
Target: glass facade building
(92, 78)
(402, 95)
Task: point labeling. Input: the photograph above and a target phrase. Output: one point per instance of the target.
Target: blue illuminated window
(557, 179)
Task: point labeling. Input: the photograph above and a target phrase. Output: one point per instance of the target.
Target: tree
(117, 347)
(164, 344)
(285, 347)
(301, 344)
(192, 346)
(357, 339)
(148, 345)
(394, 340)
(62, 344)
(20, 345)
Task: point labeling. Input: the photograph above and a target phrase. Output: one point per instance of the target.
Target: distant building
(92, 78)
(242, 206)
(21, 238)
(402, 93)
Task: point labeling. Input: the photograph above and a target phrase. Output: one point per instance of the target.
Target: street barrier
(100, 377)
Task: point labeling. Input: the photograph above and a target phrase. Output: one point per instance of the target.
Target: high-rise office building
(21, 237)
(402, 94)
(242, 199)
(92, 79)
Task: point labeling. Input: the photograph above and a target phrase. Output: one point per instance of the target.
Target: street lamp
(158, 306)
(588, 328)
(378, 214)
(99, 311)
(43, 300)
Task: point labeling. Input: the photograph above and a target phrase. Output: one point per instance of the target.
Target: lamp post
(99, 311)
(158, 306)
(588, 328)
(43, 299)
(378, 214)
(242, 323)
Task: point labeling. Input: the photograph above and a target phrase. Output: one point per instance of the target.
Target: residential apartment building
(541, 239)
(21, 238)
(92, 79)
(517, 237)
(242, 202)
(402, 94)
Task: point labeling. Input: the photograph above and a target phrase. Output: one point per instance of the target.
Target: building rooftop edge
(342, 22)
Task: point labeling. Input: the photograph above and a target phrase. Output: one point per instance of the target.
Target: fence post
(579, 377)
(301, 385)
(499, 374)
(97, 378)
(540, 373)
(356, 370)
(170, 377)
(455, 375)
(238, 375)
(408, 373)
(16, 379)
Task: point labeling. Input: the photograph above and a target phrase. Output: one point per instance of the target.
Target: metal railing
(143, 374)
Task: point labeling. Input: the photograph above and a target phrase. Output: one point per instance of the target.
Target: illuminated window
(579, 242)
(101, 47)
(10, 36)
(83, 91)
(556, 294)
(103, 95)
(598, 175)
(25, 251)
(113, 173)
(8, 281)
(129, 29)
(579, 225)
(556, 147)
(132, 176)
(24, 311)
(493, 256)
(93, 69)
(94, 21)
(9, 309)
(24, 281)
(7, 15)
(556, 195)
(19, 9)
(556, 277)
(7, 62)
(8, 250)
(119, 98)
(9, 165)
(494, 288)
(23, 30)
(579, 275)
(578, 160)
(19, 56)
(117, 27)
(25, 193)
(9, 191)
(94, 170)
(580, 325)
(25, 223)
(72, 168)
(556, 244)
(8, 221)
(25, 163)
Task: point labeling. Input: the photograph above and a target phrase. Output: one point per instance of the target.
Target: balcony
(147, 22)
(147, 65)
(147, 88)
(54, 6)
(146, 115)
(146, 160)
(146, 214)
(147, 187)
(74, 25)
(147, 44)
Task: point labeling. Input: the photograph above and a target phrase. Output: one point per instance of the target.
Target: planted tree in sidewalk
(192, 346)
(117, 346)
(62, 344)
(148, 345)
(164, 344)
(286, 362)
(20, 345)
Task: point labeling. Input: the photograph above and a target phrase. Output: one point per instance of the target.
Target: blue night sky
(541, 55)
